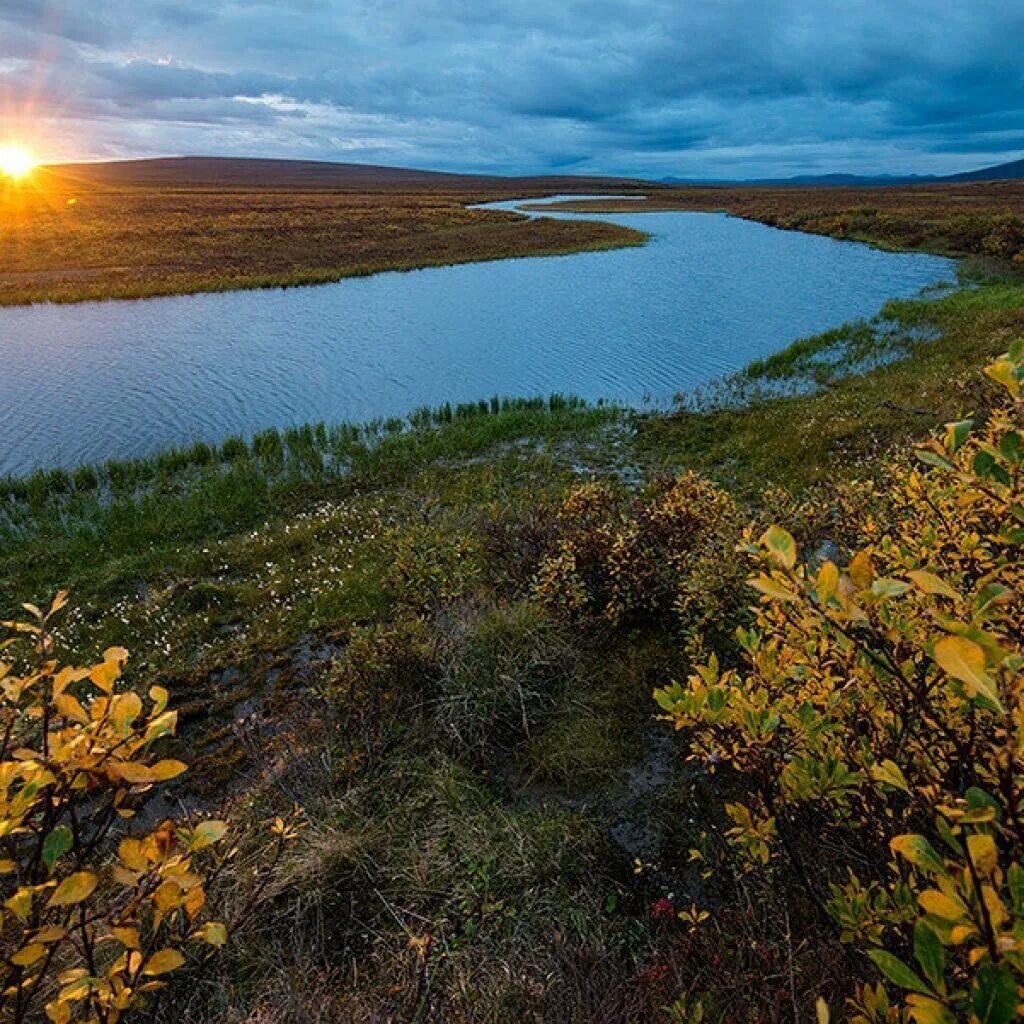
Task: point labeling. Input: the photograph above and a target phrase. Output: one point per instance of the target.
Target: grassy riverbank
(971, 219)
(67, 241)
(428, 636)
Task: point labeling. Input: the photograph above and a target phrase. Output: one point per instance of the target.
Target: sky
(653, 88)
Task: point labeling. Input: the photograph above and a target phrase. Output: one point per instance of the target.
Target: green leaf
(919, 852)
(207, 833)
(994, 995)
(957, 433)
(889, 588)
(930, 458)
(780, 545)
(898, 972)
(1015, 884)
(930, 955)
(56, 844)
(891, 774)
(1011, 446)
(985, 465)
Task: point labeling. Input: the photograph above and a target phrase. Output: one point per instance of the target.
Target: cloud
(645, 87)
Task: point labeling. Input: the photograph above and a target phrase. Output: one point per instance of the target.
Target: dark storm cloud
(631, 86)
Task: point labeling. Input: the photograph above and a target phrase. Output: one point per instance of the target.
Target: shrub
(382, 666)
(89, 928)
(873, 741)
(665, 556)
(430, 568)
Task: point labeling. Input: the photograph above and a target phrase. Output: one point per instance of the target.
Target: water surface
(708, 294)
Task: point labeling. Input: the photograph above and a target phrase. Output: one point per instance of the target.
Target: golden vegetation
(872, 742)
(97, 911)
(977, 218)
(65, 243)
(443, 652)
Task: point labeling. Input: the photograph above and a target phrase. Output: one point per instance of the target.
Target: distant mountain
(1011, 171)
(1001, 172)
(228, 172)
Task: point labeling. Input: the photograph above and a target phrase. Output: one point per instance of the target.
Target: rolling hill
(230, 172)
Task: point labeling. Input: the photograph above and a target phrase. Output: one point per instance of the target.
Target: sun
(16, 160)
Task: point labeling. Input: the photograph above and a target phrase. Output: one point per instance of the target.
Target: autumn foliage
(97, 911)
(871, 745)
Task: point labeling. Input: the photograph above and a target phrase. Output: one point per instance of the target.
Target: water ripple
(708, 295)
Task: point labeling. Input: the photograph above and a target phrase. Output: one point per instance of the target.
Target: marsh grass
(812, 412)
(74, 242)
(980, 219)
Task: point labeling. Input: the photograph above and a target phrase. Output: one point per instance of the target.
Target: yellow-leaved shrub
(96, 912)
(873, 742)
(666, 554)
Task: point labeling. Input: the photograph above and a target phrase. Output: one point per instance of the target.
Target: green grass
(843, 427)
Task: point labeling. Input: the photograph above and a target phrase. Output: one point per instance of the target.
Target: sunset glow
(16, 161)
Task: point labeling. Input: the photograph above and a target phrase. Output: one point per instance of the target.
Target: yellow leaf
(126, 708)
(941, 905)
(167, 896)
(982, 849)
(163, 724)
(828, 582)
(133, 854)
(780, 545)
(822, 1011)
(58, 1011)
(195, 901)
(214, 933)
(168, 769)
(20, 904)
(74, 889)
(931, 584)
(997, 912)
(925, 1010)
(163, 962)
(159, 696)
(28, 955)
(70, 708)
(771, 588)
(965, 660)
(105, 675)
(132, 772)
(128, 937)
(207, 833)
(861, 571)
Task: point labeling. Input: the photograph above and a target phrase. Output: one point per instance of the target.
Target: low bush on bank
(98, 908)
(867, 756)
